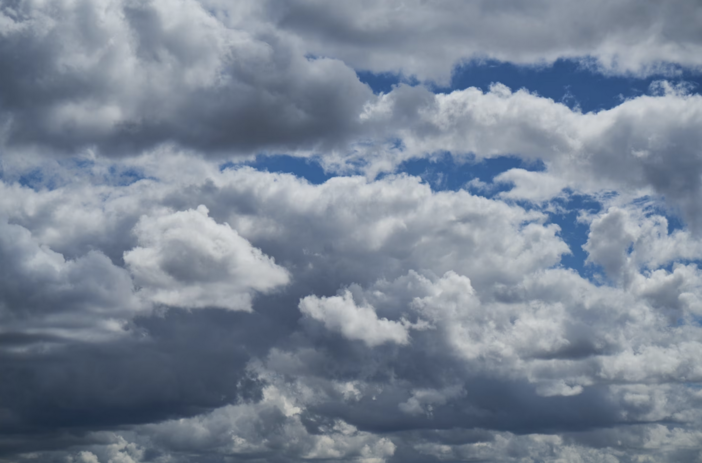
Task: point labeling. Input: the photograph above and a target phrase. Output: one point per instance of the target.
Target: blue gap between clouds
(575, 233)
(441, 173)
(33, 179)
(565, 81)
(40, 179)
(446, 173)
(308, 168)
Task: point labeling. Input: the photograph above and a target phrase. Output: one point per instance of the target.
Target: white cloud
(366, 319)
(645, 145)
(355, 322)
(467, 290)
(258, 76)
(532, 186)
(127, 76)
(185, 259)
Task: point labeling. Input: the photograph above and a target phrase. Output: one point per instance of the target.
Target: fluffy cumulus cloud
(171, 292)
(187, 260)
(626, 149)
(340, 313)
(46, 298)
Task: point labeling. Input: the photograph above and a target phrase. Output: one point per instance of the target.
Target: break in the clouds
(293, 231)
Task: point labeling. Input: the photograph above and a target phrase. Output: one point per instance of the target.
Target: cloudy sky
(357, 231)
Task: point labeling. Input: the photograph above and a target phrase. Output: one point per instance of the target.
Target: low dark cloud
(123, 77)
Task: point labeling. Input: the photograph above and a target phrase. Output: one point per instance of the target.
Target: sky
(368, 231)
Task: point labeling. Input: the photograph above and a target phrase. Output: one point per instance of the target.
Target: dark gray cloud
(646, 145)
(121, 77)
(125, 76)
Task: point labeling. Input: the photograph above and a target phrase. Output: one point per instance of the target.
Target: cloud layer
(163, 301)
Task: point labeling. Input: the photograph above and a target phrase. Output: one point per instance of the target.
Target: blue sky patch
(308, 168)
(567, 81)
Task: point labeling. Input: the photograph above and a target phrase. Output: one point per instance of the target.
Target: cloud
(125, 77)
(185, 259)
(256, 77)
(464, 317)
(626, 149)
(160, 301)
(532, 186)
(417, 38)
(608, 243)
(340, 313)
(347, 230)
(46, 299)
